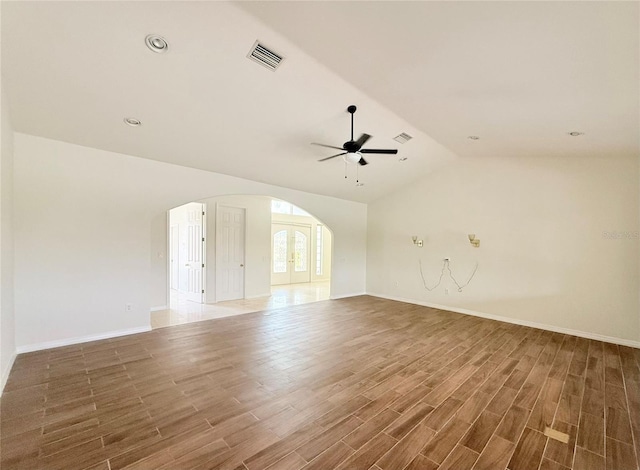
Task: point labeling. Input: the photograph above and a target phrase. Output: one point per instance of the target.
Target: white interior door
(290, 254)
(194, 263)
(230, 256)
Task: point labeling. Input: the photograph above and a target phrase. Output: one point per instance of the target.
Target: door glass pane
(300, 252)
(280, 252)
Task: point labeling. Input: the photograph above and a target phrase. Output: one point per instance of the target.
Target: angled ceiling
(520, 75)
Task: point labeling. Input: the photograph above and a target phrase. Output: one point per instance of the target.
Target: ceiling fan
(352, 150)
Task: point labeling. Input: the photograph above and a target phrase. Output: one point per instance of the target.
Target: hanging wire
(446, 265)
(425, 282)
(460, 287)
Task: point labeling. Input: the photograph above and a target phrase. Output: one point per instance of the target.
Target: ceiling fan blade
(363, 139)
(363, 162)
(327, 146)
(332, 156)
(387, 151)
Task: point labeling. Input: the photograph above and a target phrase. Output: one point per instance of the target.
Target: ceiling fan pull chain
(345, 170)
(357, 177)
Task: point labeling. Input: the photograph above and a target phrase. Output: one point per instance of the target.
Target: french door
(290, 254)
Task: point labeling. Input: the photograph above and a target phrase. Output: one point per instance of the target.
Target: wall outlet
(128, 307)
(396, 283)
(446, 292)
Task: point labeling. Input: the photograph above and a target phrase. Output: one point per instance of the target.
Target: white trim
(541, 326)
(81, 339)
(7, 371)
(344, 296)
(157, 309)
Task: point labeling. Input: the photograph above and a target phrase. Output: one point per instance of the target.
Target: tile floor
(182, 311)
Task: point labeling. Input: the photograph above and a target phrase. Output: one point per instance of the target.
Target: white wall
(158, 283)
(544, 257)
(7, 318)
(83, 236)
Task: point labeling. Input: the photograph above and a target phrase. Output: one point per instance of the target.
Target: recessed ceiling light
(133, 122)
(403, 159)
(575, 133)
(156, 43)
(359, 184)
(473, 137)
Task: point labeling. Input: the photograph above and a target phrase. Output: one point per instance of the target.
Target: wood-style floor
(360, 383)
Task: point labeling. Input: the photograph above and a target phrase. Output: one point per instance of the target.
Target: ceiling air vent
(264, 56)
(403, 138)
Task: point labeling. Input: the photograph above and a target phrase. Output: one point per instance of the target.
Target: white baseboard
(540, 326)
(158, 308)
(344, 296)
(5, 373)
(81, 339)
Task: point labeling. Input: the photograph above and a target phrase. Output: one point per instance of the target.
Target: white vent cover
(403, 138)
(264, 56)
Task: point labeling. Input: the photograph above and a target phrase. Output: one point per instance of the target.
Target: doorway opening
(230, 255)
(300, 254)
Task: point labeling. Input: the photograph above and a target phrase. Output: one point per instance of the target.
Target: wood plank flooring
(359, 383)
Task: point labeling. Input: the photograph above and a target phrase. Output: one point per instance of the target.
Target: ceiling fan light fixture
(352, 157)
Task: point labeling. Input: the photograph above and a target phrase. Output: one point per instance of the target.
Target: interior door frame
(199, 297)
(205, 211)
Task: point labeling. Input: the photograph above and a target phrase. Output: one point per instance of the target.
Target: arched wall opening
(112, 291)
(274, 255)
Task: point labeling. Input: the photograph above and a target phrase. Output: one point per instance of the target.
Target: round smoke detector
(156, 43)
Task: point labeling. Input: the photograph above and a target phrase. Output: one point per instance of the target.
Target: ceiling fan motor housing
(351, 146)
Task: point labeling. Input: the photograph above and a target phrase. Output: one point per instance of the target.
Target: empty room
(289, 235)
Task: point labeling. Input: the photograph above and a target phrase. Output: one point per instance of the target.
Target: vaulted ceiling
(519, 75)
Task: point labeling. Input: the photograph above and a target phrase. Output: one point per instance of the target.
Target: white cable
(425, 282)
(446, 264)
